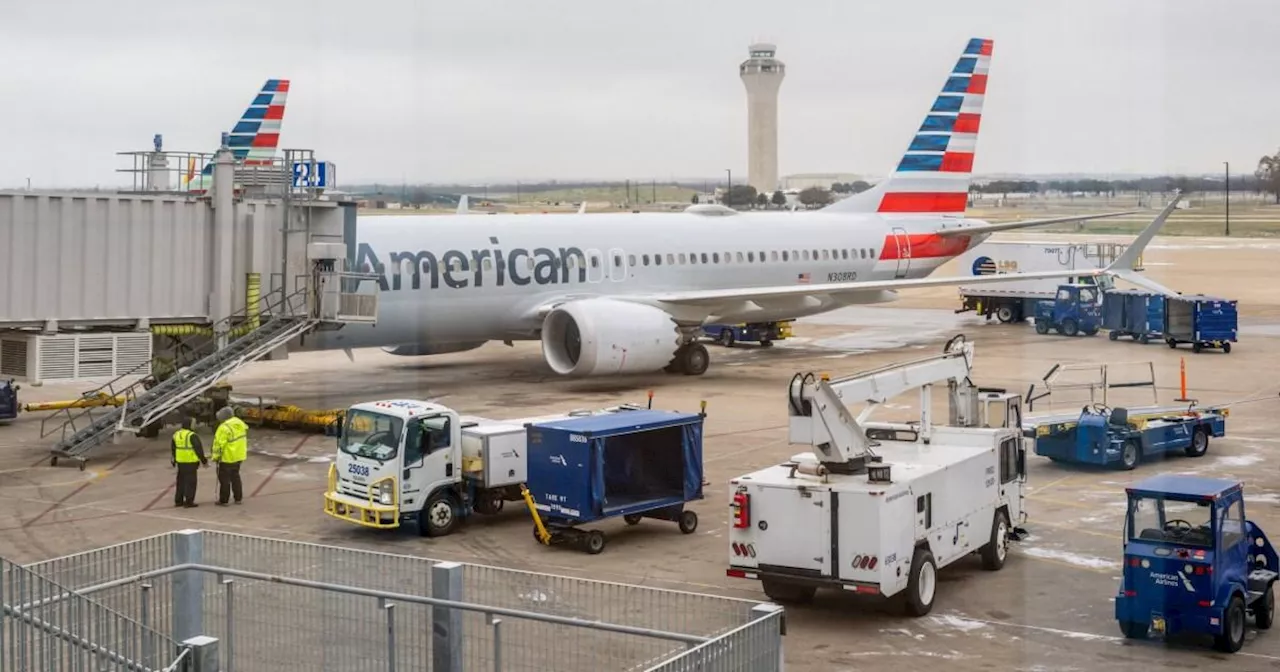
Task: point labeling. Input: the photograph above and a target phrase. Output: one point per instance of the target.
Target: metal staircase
(150, 395)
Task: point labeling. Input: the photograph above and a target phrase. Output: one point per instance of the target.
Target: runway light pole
(1227, 166)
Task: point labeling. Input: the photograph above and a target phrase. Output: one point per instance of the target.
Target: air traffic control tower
(762, 74)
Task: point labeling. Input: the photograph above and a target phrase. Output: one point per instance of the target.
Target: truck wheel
(997, 549)
(788, 593)
(1132, 630)
(1069, 327)
(1232, 637)
(1199, 443)
(595, 542)
(632, 518)
(688, 522)
(1005, 313)
(1041, 328)
(438, 517)
(922, 587)
(1130, 454)
(1093, 331)
(726, 338)
(694, 359)
(1264, 610)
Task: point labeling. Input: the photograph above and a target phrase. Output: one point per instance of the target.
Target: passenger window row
(672, 259)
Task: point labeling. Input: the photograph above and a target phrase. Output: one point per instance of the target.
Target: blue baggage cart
(1144, 315)
(1114, 303)
(634, 465)
(1203, 321)
(8, 401)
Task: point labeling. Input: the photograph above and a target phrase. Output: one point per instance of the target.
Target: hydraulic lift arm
(817, 410)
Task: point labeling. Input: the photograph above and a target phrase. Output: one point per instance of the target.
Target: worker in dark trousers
(188, 455)
(230, 447)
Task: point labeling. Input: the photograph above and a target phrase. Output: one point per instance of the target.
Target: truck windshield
(1088, 295)
(369, 434)
(1166, 520)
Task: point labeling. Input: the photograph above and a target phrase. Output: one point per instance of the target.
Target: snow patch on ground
(1086, 561)
(958, 622)
(1237, 460)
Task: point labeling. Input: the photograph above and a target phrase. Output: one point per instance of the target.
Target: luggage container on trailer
(1136, 313)
(1203, 321)
(877, 508)
(643, 464)
(1016, 300)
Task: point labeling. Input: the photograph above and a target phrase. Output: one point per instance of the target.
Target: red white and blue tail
(933, 176)
(255, 137)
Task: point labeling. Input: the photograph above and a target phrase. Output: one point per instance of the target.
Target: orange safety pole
(1182, 377)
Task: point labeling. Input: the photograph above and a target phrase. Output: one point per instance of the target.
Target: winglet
(1129, 257)
(463, 205)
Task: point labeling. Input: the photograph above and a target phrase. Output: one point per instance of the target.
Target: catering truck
(877, 508)
(1016, 300)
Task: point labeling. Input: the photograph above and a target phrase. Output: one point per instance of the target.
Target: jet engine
(421, 349)
(597, 337)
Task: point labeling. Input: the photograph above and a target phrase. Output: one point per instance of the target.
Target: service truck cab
(1075, 309)
(1193, 562)
(396, 460)
(877, 508)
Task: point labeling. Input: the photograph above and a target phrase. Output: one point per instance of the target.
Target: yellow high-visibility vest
(231, 442)
(185, 454)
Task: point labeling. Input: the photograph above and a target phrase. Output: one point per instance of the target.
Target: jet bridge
(844, 443)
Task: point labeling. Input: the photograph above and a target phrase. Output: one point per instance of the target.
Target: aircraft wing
(1121, 267)
(1025, 223)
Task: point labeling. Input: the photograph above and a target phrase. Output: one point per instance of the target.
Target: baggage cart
(1203, 321)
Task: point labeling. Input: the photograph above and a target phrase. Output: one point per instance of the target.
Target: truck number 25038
(358, 469)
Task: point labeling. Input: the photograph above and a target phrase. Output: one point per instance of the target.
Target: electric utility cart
(877, 508)
(1193, 562)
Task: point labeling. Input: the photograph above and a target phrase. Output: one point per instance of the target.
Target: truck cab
(1193, 562)
(398, 461)
(1075, 309)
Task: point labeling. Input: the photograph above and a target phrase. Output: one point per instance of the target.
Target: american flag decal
(803, 278)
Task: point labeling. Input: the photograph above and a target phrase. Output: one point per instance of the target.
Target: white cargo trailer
(1015, 300)
(877, 508)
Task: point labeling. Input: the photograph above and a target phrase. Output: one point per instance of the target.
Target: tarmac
(1050, 608)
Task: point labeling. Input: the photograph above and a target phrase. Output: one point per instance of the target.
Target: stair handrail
(275, 303)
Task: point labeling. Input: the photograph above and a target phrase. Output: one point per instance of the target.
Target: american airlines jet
(616, 293)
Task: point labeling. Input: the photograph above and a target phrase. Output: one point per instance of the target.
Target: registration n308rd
(842, 276)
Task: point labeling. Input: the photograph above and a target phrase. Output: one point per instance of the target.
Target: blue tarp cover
(574, 472)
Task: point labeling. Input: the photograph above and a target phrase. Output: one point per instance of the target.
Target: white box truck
(1015, 300)
(877, 508)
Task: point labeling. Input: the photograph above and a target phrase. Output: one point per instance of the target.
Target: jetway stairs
(249, 336)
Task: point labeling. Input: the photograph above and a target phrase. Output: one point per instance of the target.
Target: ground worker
(230, 447)
(188, 455)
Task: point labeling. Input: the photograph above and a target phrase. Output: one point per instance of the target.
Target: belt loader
(876, 508)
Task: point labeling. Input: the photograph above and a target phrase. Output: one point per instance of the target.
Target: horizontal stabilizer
(1024, 224)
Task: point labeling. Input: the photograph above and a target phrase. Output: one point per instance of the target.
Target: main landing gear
(691, 360)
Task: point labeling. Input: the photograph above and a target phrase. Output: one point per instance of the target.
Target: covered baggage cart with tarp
(638, 464)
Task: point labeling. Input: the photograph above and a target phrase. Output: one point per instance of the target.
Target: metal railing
(190, 346)
(45, 627)
(281, 605)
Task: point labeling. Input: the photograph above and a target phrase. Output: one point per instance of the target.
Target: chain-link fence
(282, 605)
(44, 627)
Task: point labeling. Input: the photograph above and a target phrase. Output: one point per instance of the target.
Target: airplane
(620, 293)
(254, 138)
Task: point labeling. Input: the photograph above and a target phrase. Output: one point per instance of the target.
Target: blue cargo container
(635, 464)
(1203, 321)
(1144, 315)
(1114, 303)
(8, 401)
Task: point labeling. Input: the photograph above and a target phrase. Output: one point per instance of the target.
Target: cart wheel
(1199, 443)
(1144, 339)
(1069, 327)
(1114, 335)
(688, 522)
(1264, 610)
(1130, 454)
(632, 518)
(726, 338)
(1172, 343)
(1226, 348)
(766, 344)
(1133, 630)
(595, 542)
(1232, 637)
(53, 461)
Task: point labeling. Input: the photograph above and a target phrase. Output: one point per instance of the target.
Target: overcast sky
(427, 90)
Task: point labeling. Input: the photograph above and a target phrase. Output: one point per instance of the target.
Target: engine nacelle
(422, 349)
(597, 337)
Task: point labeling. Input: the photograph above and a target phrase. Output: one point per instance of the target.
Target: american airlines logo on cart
(459, 269)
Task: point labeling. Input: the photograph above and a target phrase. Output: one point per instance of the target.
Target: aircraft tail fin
(934, 174)
(256, 135)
